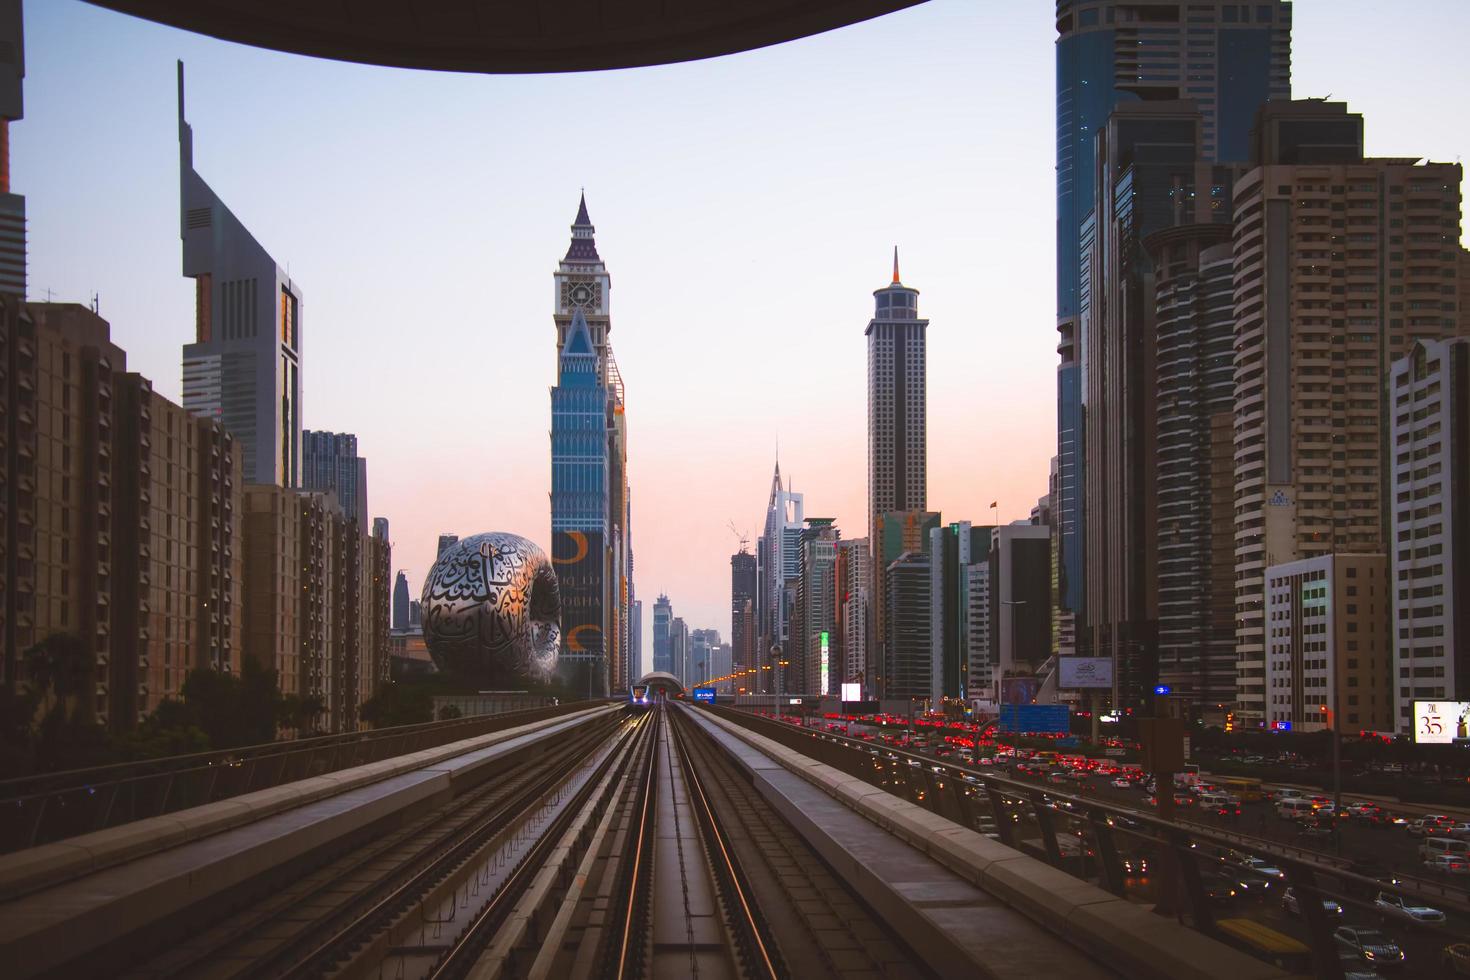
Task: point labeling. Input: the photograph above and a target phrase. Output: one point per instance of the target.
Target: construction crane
(743, 537)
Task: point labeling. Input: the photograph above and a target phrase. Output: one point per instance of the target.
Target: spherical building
(492, 610)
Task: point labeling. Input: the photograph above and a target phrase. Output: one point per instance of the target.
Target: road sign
(1115, 752)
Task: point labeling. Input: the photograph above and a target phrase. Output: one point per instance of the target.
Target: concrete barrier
(50, 864)
(1123, 936)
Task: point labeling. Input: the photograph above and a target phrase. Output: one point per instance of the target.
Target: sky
(746, 206)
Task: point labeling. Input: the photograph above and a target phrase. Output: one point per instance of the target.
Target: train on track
(640, 698)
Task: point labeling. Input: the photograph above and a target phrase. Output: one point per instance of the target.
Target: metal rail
(747, 927)
(421, 855)
(460, 958)
(629, 960)
(54, 806)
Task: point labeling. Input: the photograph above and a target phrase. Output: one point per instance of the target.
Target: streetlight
(1336, 773)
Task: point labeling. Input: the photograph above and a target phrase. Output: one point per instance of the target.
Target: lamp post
(1331, 718)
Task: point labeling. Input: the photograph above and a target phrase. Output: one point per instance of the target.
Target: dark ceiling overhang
(508, 36)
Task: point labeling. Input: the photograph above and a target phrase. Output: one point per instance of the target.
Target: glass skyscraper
(1227, 57)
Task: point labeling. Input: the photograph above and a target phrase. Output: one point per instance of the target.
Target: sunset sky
(746, 207)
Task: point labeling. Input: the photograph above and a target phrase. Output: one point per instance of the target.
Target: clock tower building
(583, 284)
(591, 546)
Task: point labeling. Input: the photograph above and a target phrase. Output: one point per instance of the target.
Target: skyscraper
(814, 620)
(1150, 177)
(742, 609)
(12, 108)
(400, 602)
(1019, 588)
(590, 512)
(1430, 386)
(446, 541)
(1342, 263)
(776, 569)
(663, 615)
(244, 367)
(380, 528)
(908, 671)
(897, 423)
(679, 649)
(854, 599)
(1227, 56)
(953, 549)
(329, 461)
(1195, 332)
(635, 642)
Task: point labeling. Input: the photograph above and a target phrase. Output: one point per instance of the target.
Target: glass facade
(579, 463)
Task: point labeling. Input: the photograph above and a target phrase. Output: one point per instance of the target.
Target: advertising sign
(852, 692)
(705, 695)
(1029, 718)
(1085, 672)
(1441, 722)
(1019, 690)
(822, 688)
(578, 559)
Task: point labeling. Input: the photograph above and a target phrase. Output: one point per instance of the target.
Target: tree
(397, 704)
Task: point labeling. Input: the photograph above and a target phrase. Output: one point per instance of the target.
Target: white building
(1430, 443)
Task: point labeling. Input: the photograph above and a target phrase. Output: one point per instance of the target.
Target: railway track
(634, 848)
(320, 923)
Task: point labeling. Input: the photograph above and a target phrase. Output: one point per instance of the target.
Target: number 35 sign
(1441, 722)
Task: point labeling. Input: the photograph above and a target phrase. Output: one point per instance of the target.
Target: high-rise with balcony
(1430, 545)
(1341, 263)
(12, 108)
(897, 426)
(1227, 57)
(244, 367)
(1193, 420)
(1150, 177)
(742, 608)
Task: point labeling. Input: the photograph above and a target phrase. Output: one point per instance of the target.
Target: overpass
(689, 839)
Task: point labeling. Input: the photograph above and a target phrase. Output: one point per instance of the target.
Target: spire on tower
(584, 245)
(895, 266)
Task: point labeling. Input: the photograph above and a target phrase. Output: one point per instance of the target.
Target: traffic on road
(1377, 934)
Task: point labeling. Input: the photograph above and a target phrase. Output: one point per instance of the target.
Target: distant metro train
(640, 698)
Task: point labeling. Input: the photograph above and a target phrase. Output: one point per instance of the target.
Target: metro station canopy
(509, 36)
(662, 680)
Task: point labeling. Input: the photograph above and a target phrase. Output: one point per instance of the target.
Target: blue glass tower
(578, 437)
(1227, 57)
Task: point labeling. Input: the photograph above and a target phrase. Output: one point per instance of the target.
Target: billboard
(822, 682)
(1028, 718)
(852, 692)
(1019, 690)
(578, 559)
(1084, 672)
(705, 695)
(1441, 722)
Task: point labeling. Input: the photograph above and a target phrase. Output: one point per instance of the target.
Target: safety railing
(54, 806)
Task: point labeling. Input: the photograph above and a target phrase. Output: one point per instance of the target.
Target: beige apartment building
(1328, 646)
(1341, 263)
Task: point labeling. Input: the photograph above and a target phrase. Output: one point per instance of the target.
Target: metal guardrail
(54, 806)
(1182, 843)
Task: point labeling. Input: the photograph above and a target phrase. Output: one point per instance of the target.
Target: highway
(1384, 847)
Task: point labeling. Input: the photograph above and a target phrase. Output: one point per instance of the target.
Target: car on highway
(1449, 864)
(1121, 783)
(1370, 945)
(1220, 889)
(1406, 909)
(1455, 958)
(1427, 825)
(1432, 847)
(1259, 867)
(1295, 808)
(1292, 906)
(1459, 830)
(1363, 810)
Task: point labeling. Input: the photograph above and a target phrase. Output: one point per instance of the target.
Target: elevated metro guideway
(506, 36)
(662, 842)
